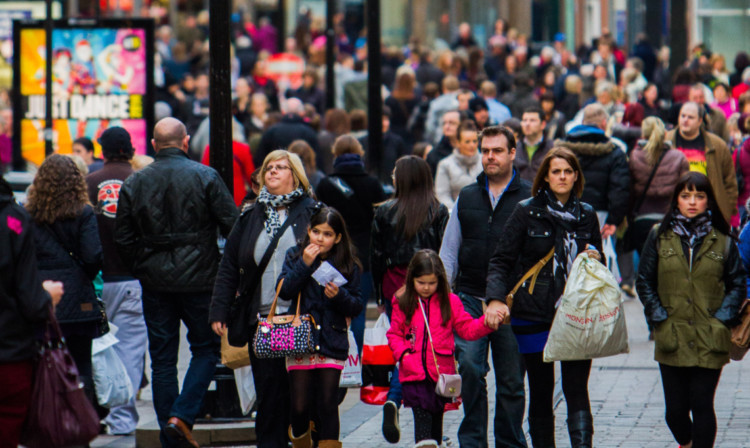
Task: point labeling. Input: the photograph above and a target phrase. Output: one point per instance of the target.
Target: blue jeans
(163, 312)
(394, 393)
(509, 394)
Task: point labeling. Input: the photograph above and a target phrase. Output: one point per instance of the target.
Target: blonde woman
(275, 222)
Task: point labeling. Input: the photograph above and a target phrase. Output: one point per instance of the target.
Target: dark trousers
(163, 313)
(272, 399)
(15, 398)
(690, 391)
(575, 380)
(509, 394)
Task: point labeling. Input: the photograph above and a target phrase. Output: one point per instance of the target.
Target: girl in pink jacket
(427, 283)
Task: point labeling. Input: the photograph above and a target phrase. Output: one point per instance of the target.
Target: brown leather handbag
(741, 334)
(532, 273)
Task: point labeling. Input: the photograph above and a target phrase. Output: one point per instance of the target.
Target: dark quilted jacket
(167, 218)
(81, 237)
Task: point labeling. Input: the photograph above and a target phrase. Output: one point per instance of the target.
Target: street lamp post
(48, 81)
(330, 55)
(220, 95)
(374, 98)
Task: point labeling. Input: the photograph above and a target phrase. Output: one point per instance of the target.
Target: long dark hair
(415, 200)
(342, 255)
(694, 180)
(425, 262)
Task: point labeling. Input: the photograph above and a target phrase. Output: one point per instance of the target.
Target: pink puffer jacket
(411, 345)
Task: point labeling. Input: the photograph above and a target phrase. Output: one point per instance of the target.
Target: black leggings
(427, 425)
(575, 380)
(315, 396)
(690, 390)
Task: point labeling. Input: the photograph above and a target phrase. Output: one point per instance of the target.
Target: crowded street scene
(374, 223)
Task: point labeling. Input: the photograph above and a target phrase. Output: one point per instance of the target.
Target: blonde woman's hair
(295, 163)
(653, 129)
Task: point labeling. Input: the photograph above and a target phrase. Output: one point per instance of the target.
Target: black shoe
(391, 431)
(581, 429)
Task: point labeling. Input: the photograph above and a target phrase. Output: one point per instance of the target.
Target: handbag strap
(533, 273)
(294, 212)
(429, 334)
(272, 313)
(642, 197)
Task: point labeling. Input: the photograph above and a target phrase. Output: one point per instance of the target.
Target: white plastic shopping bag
(377, 363)
(590, 322)
(351, 376)
(243, 378)
(111, 380)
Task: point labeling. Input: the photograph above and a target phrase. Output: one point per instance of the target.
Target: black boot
(542, 432)
(581, 429)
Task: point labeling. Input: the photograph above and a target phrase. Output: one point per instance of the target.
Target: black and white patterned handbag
(284, 336)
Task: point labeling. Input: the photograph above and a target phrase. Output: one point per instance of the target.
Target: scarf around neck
(692, 229)
(272, 202)
(566, 217)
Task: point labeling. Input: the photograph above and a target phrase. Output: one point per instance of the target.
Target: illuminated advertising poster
(102, 76)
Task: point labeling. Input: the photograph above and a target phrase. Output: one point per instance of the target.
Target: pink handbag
(448, 385)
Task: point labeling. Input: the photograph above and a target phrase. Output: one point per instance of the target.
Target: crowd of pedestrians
(490, 165)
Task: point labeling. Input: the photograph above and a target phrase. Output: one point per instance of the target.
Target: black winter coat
(388, 247)
(238, 263)
(354, 193)
(330, 314)
(605, 169)
(81, 237)
(527, 237)
(167, 221)
(282, 134)
(23, 301)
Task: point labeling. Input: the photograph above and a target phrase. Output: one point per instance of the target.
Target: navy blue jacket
(330, 314)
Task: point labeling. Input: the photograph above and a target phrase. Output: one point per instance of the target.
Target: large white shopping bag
(590, 321)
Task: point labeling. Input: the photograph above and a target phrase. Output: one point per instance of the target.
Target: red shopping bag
(377, 363)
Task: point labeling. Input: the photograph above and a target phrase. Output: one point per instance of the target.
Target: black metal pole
(220, 95)
(330, 55)
(281, 26)
(98, 9)
(374, 98)
(48, 82)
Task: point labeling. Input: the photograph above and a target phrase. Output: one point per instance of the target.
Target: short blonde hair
(295, 163)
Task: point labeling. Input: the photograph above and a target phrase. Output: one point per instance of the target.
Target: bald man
(291, 127)
(167, 220)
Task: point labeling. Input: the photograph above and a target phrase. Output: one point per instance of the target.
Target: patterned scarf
(272, 202)
(692, 229)
(566, 217)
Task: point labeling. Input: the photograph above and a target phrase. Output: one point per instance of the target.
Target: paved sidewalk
(626, 400)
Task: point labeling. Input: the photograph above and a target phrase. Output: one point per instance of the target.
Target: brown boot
(180, 432)
(329, 444)
(303, 441)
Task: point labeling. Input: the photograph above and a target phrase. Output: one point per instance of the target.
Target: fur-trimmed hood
(587, 141)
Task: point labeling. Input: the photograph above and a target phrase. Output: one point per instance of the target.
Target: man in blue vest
(473, 230)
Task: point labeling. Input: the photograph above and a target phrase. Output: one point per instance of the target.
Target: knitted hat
(116, 144)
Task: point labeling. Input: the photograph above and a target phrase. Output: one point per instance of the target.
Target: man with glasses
(478, 216)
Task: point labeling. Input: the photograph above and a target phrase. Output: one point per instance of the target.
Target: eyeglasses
(270, 168)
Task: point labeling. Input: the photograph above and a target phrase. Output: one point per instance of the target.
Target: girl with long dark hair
(314, 379)
(412, 220)
(425, 315)
(691, 283)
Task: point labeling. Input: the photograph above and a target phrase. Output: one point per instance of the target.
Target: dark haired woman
(554, 218)
(314, 379)
(691, 283)
(412, 220)
(68, 250)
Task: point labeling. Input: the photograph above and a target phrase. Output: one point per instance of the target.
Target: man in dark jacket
(467, 245)
(23, 303)
(534, 146)
(290, 128)
(380, 163)
(604, 165)
(122, 292)
(167, 218)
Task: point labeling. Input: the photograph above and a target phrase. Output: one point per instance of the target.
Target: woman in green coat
(691, 283)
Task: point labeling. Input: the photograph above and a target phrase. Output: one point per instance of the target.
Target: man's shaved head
(295, 106)
(169, 133)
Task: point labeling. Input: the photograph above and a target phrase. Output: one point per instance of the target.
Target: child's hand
(310, 254)
(331, 290)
